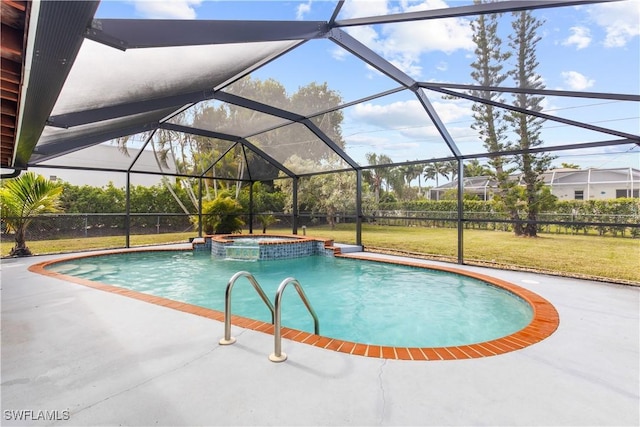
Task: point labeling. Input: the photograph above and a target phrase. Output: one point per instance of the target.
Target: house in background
(480, 186)
(593, 184)
(105, 157)
(565, 184)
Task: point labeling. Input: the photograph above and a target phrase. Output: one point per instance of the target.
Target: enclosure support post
(294, 208)
(127, 218)
(359, 207)
(250, 207)
(460, 211)
(200, 180)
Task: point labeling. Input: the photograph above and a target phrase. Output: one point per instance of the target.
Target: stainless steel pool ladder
(278, 355)
(228, 339)
(276, 312)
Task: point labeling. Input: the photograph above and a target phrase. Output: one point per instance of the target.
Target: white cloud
(620, 20)
(338, 53)
(408, 117)
(378, 143)
(391, 116)
(359, 9)
(576, 81)
(580, 37)
(167, 9)
(404, 44)
(442, 66)
(303, 9)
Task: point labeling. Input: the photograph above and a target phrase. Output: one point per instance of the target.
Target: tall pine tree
(489, 120)
(523, 41)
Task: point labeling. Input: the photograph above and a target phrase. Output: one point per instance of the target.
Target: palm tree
(23, 198)
(265, 220)
(475, 168)
(450, 170)
(412, 172)
(376, 176)
(433, 171)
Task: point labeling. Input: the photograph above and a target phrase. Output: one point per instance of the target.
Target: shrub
(222, 216)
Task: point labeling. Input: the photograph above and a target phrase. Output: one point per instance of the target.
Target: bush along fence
(616, 217)
(62, 226)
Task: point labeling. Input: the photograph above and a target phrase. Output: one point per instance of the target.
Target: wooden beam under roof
(13, 28)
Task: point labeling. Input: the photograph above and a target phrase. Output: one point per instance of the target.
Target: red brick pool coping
(287, 239)
(544, 323)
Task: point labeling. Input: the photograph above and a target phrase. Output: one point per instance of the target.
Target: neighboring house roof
(470, 183)
(591, 175)
(107, 156)
(562, 176)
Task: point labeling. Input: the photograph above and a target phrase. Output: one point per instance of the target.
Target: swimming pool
(357, 301)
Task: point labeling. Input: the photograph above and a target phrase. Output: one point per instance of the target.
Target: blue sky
(585, 48)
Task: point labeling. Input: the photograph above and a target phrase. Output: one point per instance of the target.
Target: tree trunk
(331, 218)
(518, 229)
(20, 249)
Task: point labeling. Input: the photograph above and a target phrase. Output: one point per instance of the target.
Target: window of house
(578, 195)
(627, 193)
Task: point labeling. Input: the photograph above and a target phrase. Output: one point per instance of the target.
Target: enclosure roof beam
(99, 169)
(268, 158)
(544, 92)
(579, 146)
(228, 137)
(144, 145)
(127, 109)
(56, 42)
(460, 11)
(258, 106)
(268, 109)
(145, 33)
(179, 102)
(344, 40)
(329, 142)
(594, 128)
(435, 118)
(335, 13)
(220, 157)
(246, 161)
(201, 132)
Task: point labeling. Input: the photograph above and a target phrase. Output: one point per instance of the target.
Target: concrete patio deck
(86, 357)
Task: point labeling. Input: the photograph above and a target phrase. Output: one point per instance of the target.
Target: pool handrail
(278, 355)
(228, 339)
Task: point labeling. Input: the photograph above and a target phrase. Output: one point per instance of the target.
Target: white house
(565, 184)
(593, 184)
(106, 156)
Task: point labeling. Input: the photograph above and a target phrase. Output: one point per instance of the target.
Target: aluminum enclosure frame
(61, 28)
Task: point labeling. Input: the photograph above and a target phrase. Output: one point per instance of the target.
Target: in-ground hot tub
(264, 247)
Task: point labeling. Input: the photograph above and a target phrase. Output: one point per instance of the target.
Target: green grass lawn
(88, 243)
(611, 258)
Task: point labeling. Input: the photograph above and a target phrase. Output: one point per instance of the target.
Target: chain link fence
(66, 226)
(559, 223)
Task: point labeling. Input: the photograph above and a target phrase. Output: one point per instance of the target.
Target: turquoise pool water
(360, 301)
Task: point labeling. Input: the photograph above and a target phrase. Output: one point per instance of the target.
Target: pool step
(345, 248)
